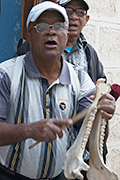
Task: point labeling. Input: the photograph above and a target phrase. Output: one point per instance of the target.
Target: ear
(28, 38)
(87, 19)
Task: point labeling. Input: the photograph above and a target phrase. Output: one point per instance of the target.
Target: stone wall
(103, 33)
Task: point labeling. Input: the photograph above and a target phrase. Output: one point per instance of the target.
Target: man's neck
(50, 69)
(71, 41)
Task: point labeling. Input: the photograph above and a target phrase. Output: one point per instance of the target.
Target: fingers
(107, 106)
(59, 125)
(106, 115)
(92, 96)
(50, 136)
(63, 122)
(108, 97)
(47, 129)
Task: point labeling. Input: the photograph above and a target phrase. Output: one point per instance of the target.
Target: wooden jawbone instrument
(93, 128)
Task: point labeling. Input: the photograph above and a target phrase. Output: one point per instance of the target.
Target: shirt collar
(32, 70)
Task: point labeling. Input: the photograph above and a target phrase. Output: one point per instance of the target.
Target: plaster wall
(103, 33)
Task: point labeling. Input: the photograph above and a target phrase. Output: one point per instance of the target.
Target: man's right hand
(47, 129)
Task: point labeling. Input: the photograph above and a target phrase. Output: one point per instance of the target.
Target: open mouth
(51, 43)
(73, 25)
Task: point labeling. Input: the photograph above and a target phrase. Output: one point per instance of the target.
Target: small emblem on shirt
(62, 106)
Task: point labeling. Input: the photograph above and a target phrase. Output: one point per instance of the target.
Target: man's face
(76, 23)
(51, 43)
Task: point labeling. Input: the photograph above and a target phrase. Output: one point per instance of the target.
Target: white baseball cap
(37, 10)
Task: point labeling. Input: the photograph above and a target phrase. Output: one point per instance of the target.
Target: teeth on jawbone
(89, 125)
(88, 128)
(93, 128)
(102, 135)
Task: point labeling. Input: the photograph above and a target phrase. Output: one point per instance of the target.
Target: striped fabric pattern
(30, 104)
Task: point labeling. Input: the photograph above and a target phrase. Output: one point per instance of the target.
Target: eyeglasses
(79, 12)
(44, 27)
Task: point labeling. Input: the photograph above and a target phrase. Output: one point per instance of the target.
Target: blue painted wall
(10, 27)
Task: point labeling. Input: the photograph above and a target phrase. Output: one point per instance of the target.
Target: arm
(43, 130)
(95, 67)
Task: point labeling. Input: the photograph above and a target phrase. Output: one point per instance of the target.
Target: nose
(73, 15)
(51, 30)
